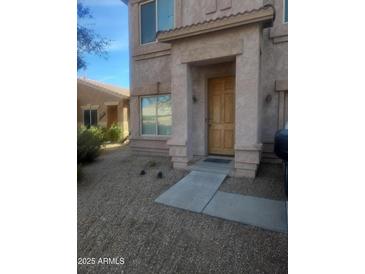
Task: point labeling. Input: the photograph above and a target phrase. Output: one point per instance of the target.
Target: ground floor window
(156, 115)
(90, 117)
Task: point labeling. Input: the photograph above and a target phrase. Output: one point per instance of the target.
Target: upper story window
(148, 22)
(156, 15)
(165, 14)
(285, 11)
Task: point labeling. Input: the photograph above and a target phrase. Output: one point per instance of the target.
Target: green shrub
(104, 131)
(99, 132)
(151, 164)
(88, 144)
(114, 133)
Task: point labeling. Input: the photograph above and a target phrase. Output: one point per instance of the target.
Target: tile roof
(265, 13)
(111, 89)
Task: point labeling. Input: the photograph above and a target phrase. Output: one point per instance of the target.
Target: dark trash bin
(281, 150)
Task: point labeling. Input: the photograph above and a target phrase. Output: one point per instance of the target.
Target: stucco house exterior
(100, 104)
(208, 77)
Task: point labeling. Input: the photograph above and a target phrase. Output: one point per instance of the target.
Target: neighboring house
(208, 77)
(100, 104)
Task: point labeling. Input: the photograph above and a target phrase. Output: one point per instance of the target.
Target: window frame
(156, 116)
(156, 19)
(284, 8)
(90, 116)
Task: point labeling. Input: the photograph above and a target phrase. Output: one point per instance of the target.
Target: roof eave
(103, 89)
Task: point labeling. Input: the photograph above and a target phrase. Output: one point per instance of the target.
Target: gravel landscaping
(117, 217)
(268, 183)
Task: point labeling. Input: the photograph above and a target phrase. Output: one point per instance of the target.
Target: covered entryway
(221, 115)
(112, 115)
(232, 124)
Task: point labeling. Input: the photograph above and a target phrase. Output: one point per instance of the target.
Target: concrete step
(212, 167)
(207, 169)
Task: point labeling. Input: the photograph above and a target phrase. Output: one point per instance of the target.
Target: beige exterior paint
(90, 96)
(250, 46)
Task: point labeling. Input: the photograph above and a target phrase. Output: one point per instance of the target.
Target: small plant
(88, 144)
(114, 133)
(159, 175)
(151, 164)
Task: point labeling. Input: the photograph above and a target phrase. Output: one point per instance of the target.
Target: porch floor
(220, 168)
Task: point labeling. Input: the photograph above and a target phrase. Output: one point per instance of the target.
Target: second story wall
(187, 12)
(194, 11)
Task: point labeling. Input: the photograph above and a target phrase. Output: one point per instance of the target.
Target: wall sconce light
(195, 99)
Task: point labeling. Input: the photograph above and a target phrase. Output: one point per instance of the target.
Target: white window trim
(90, 108)
(141, 116)
(156, 23)
(284, 7)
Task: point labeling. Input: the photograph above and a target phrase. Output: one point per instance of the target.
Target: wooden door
(221, 111)
(112, 115)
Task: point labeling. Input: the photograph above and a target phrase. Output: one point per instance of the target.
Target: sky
(110, 20)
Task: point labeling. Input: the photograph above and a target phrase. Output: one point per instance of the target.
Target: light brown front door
(112, 115)
(221, 115)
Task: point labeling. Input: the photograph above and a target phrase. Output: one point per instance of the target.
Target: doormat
(216, 160)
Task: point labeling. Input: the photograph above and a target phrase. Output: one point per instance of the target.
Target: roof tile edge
(264, 14)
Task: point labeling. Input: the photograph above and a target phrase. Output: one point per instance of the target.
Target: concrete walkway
(198, 192)
(193, 192)
(264, 213)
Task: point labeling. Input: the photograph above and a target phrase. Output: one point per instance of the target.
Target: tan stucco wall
(89, 96)
(274, 67)
(152, 68)
(196, 11)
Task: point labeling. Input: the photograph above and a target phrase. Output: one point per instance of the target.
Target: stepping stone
(193, 192)
(264, 213)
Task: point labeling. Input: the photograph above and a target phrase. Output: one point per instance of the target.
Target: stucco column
(248, 106)
(180, 144)
(134, 116)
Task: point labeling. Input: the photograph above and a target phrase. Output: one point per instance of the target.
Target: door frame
(207, 79)
(108, 107)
